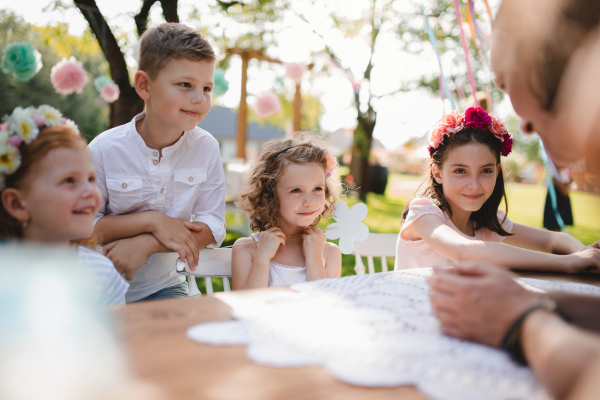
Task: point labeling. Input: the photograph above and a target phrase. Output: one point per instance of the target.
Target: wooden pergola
(242, 121)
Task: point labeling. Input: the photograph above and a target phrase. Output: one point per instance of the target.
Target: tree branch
(141, 20)
(106, 39)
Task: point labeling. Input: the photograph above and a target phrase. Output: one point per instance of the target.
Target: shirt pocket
(124, 194)
(187, 186)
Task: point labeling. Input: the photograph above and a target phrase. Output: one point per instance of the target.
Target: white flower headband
(23, 126)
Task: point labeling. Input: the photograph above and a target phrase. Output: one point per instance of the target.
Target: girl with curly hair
(290, 188)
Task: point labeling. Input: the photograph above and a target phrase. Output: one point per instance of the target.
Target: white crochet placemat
(375, 330)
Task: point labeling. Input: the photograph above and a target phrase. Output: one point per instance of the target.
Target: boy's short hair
(172, 41)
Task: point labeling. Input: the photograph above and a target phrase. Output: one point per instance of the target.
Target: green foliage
(88, 111)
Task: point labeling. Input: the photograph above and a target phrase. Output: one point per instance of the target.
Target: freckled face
(61, 197)
(301, 192)
(468, 176)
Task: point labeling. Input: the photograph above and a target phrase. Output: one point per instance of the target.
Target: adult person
(545, 54)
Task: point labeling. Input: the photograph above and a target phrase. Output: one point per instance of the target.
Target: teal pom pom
(102, 81)
(21, 60)
(221, 84)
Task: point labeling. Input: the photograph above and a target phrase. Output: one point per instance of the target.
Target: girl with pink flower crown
(290, 188)
(455, 217)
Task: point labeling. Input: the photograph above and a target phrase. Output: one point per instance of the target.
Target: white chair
(377, 245)
(212, 263)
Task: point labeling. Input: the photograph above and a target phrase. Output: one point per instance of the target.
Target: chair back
(380, 245)
(212, 263)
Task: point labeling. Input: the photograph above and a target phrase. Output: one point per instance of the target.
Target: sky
(400, 117)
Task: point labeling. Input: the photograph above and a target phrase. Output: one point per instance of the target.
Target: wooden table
(154, 335)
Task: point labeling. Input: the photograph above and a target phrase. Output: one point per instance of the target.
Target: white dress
(283, 275)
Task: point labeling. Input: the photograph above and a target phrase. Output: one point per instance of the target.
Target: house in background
(221, 122)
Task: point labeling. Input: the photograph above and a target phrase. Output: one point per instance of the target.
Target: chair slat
(377, 245)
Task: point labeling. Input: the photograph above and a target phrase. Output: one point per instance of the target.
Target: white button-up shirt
(186, 182)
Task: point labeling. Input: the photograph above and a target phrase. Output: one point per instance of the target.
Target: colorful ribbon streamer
(465, 49)
(473, 16)
(550, 172)
(432, 39)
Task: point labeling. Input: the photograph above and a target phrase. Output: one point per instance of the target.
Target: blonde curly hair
(259, 197)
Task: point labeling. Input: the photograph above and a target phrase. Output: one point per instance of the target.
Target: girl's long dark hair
(487, 215)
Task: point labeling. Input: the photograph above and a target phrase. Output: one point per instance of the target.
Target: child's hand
(130, 254)
(313, 241)
(586, 260)
(269, 242)
(176, 234)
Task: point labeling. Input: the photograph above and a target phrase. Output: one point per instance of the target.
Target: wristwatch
(511, 342)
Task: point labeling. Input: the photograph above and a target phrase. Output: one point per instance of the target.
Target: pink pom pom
(15, 140)
(68, 76)
(267, 105)
(110, 93)
(294, 71)
(39, 120)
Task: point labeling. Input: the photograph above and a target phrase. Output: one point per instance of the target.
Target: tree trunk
(360, 167)
(129, 103)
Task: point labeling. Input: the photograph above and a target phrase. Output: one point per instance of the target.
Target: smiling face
(301, 193)
(468, 176)
(60, 197)
(179, 97)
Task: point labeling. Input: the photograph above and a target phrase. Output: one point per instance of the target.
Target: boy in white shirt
(160, 170)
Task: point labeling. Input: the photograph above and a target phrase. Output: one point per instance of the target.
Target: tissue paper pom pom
(294, 71)
(68, 76)
(110, 93)
(102, 81)
(21, 60)
(267, 105)
(221, 84)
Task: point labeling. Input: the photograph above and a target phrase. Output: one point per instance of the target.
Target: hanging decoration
(444, 90)
(221, 84)
(294, 71)
(267, 105)
(466, 51)
(109, 91)
(21, 60)
(68, 76)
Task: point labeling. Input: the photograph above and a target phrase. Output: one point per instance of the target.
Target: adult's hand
(478, 302)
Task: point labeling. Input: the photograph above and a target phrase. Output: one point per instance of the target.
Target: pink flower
(267, 105)
(477, 118)
(15, 140)
(452, 122)
(497, 127)
(436, 136)
(110, 93)
(68, 76)
(294, 71)
(506, 146)
(331, 164)
(3, 126)
(39, 120)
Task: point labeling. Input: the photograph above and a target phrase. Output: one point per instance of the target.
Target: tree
(405, 21)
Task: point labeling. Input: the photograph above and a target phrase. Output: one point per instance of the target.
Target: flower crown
(474, 117)
(23, 126)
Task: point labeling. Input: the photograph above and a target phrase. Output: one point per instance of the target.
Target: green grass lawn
(525, 205)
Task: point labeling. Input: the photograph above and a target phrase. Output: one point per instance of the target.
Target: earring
(24, 224)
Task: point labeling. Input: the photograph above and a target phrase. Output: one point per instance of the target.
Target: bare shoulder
(331, 250)
(244, 246)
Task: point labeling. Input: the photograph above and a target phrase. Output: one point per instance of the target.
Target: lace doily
(375, 330)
